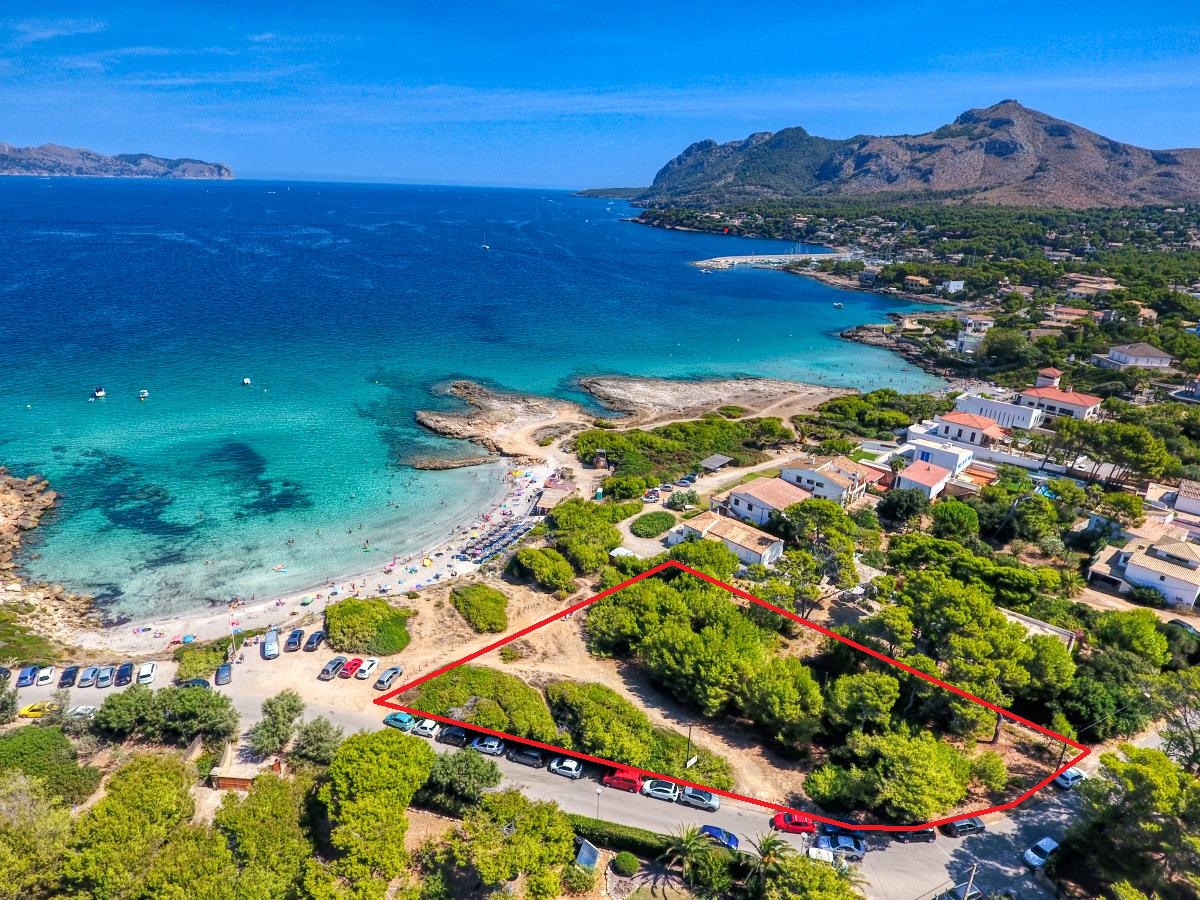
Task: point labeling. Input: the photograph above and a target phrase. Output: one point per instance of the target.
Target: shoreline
(530, 434)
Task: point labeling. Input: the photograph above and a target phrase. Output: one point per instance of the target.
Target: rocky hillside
(51, 159)
(1005, 153)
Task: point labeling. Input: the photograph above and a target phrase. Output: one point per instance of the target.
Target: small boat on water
(839, 306)
(98, 393)
(143, 395)
(246, 382)
(279, 568)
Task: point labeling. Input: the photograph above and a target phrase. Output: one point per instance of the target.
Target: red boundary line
(384, 701)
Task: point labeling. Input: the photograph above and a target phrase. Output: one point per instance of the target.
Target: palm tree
(770, 852)
(685, 849)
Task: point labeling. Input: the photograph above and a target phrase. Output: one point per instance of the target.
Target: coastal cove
(349, 308)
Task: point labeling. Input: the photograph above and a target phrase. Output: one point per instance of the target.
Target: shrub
(412, 595)
(732, 412)
(46, 753)
(611, 836)
(367, 626)
(200, 660)
(510, 654)
(578, 880)
(652, 524)
(626, 864)
(490, 698)
(1144, 595)
(547, 567)
(989, 770)
(484, 607)
(680, 499)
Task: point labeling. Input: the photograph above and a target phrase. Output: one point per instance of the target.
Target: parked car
(700, 799)
(793, 823)
(38, 710)
(332, 668)
(488, 744)
(224, 674)
(196, 683)
(567, 767)
(834, 828)
(400, 720)
(82, 712)
(1186, 626)
(454, 735)
(294, 641)
(425, 728)
(350, 668)
(1069, 778)
(367, 670)
(920, 836)
(387, 676)
(964, 891)
(105, 677)
(842, 846)
(270, 644)
(45, 676)
(720, 836)
(27, 676)
(87, 678)
(5, 673)
(1035, 857)
(315, 640)
(527, 756)
(623, 780)
(963, 827)
(124, 674)
(146, 673)
(660, 789)
(68, 677)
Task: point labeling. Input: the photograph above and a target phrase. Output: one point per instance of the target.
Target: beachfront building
(952, 286)
(1003, 408)
(747, 543)
(757, 499)
(836, 478)
(969, 428)
(925, 477)
(1169, 563)
(916, 283)
(947, 454)
(1139, 355)
(554, 492)
(1056, 401)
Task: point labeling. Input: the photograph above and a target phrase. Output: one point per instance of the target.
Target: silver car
(842, 845)
(425, 728)
(661, 790)
(104, 678)
(567, 767)
(700, 799)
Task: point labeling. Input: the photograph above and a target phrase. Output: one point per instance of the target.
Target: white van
(146, 673)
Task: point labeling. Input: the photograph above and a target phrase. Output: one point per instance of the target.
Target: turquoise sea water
(346, 305)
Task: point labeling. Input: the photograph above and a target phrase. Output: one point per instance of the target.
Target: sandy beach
(527, 432)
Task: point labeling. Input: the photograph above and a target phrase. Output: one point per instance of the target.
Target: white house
(1134, 356)
(1003, 412)
(1187, 498)
(745, 541)
(757, 499)
(947, 455)
(969, 428)
(924, 477)
(952, 287)
(835, 478)
(1170, 564)
(1056, 401)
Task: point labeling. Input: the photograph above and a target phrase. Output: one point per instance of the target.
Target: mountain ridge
(58, 161)
(1006, 154)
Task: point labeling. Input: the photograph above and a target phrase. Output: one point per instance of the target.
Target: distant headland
(52, 159)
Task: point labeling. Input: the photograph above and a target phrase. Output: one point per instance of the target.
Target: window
(925, 456)
(737, 502)
(959, 433)
(1162, 577)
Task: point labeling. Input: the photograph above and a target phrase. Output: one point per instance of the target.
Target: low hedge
(611, 836)
(369, 625)
(652, 524)
(546, 566)
(484, 607)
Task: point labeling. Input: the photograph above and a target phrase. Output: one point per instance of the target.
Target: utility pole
(688, 754)
(971, 880)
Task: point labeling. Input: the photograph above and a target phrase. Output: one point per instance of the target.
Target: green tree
(507, 836)
(192, 862)
(902, 506)
(9, 705)
(1035, 518)
(768, 862)
(1051, 667)
(317, 741)
(710, 557)
(266, 833)
(801, 878)
(912, 779)
(988, 769)
(279, 716)
(784, 697)
(371, 781)
(460, 779)
(954, 520)
(1176, 698)
(1136, 631)
(859, 701)
(685, 849)
(34, 829)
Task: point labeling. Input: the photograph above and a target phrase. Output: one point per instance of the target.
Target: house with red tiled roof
(924, 477)
(757, 499)
(836, 478)
(746, 542)
(968, 428)
(1057, 401)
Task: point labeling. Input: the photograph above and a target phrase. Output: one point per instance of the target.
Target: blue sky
(569, 94)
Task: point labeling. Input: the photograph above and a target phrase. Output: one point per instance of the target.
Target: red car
(624, 780)
(793, 823)
(350, 668)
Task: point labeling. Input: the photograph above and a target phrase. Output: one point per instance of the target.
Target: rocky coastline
(46, 609)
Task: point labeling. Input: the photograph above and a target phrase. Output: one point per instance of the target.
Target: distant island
(55, 160)
(1004, 154)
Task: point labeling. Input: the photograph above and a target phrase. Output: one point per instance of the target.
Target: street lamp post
(599, 791)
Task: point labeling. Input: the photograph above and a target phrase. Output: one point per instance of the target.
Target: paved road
(892, 871)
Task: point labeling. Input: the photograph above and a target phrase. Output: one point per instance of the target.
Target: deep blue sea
(346, 305)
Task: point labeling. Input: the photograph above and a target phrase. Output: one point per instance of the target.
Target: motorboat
(143, 395)
(839, 306)
(246, 382)
(98, 393)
